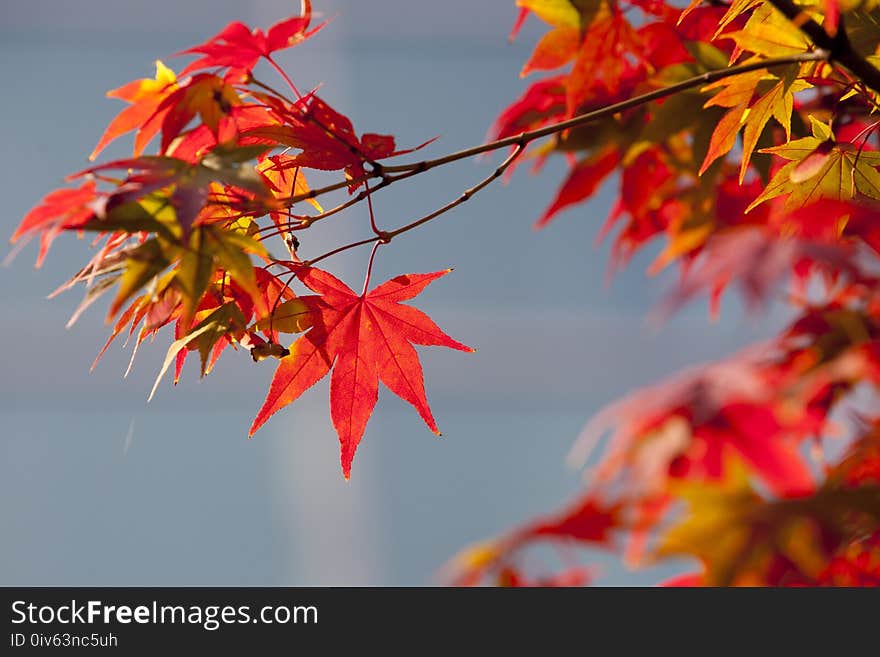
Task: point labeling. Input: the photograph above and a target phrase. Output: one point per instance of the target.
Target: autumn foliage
(742, 135)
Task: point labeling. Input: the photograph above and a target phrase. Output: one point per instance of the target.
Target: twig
(465, 196)
(384, 237)
(370, 206)
(525, 138)
(313, 261)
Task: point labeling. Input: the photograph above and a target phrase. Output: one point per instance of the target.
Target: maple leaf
(285, 182)
(576, 14)
(649, 195)
(570, 19)
(555, 49)
(610, 53)
(210, 247)
(736, 93)
(193, 144)
(582, 182)
(239, 48)
(665, 46)
(590, 520)
(204, 337)
(327, 140)
(767, 32)
(60, 210)
(518, 23)
(757, 260)
(208, 96)
(191, 183)
(541, 103)
(856, 564)
(182, 189)
(145, 96)
(820, 167)
(224, 302)
(227, 308)
(692, 420)
(743, 538)
(363, 338)
(718, 528)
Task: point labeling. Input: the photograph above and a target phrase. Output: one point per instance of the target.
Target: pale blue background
(99, 488)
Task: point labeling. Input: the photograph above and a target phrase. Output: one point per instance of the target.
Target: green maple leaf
(820, 167)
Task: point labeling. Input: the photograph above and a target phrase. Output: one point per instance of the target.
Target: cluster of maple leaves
(179, 233)
(752, 179)
(761, 169)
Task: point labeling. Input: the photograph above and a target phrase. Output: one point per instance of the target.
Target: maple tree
(744, 133)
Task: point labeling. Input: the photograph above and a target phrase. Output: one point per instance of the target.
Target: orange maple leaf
(145, 97)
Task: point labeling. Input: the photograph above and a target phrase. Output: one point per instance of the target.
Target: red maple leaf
(520, 21)
(607, 65)
(149, 173)
(856, 564)
(192, 145)
(239, 48)
(583, 180)
(327, 140)
(682, 429)
(364, 338)
(542, 103)
(589, 519)
(63, 209)
(758, 260)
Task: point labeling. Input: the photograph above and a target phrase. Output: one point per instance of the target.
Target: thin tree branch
(526, 138)
(466, 195)
(346, 247)
(384, 237)
(301, 222)
(392, 174)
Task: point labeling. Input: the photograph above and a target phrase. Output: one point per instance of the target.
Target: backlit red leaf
(364, 338)
(239, 48)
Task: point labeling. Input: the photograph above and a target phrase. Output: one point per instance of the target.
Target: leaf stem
(286, 77)
(370, 206)
(379, 242)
